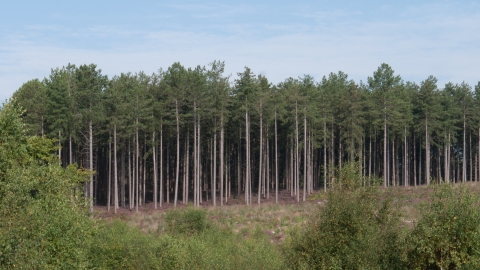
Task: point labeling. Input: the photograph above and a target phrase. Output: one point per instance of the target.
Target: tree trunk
(161, 164)
(90, 135)
(195, 157)
(239, 158)
(109, 173)
(59, 148)
(267, 169)
(304, 153)
(297, 157)
(414, 160)
(221, 159)
(154, 155)
(137, 156)
(187, 166)
(178, 154)
(214, 178)
(427, 154)
(115, 169)
(405, 159)
(70, 152)
(247, 172)
(130, 176)
(464, 156)
(276, 160)
(122, 187)
(385, 171)
(199, 175)
(261, 154)
(324, 156)
(394, 163)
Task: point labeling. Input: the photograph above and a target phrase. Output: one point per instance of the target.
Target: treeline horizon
(191, 135)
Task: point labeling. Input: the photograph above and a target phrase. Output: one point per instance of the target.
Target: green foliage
(119, 247)
(188, 221)
(42, 221)
(349, 177)
(448, 235)
(353, 231)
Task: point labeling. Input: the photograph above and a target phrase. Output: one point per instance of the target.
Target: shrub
(118, 246)
(42, 224)
(189, 221)
(353, 231)
(448, 234)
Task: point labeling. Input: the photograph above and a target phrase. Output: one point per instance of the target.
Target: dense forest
(193, 135)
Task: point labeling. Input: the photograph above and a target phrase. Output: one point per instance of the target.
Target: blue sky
(278, 39)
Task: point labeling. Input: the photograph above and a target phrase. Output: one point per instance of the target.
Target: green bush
(189, 221)
(353, 231)
(118, 246)
(448, 234)
(42, 222)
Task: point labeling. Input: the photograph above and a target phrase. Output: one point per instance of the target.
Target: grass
(253, 233)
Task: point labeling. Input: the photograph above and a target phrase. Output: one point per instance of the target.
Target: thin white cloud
(444, 44)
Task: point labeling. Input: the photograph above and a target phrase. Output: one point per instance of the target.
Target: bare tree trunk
(304, 153)
(332, 155)
(59, 149)
(297, 157)
(144, 168)
(90, 133)
(161, 164)
(187, 166)
(370, 161)
(292, 189)
(221, 159)
(199, 175)
(130, 176)
(109, 173)
(420, 166)
(414, 160)
(214, 178)
(260, 165)
(155, 187)
(167, 176)
(445, 160)
(324, 155)
(195, 159)
(267, 169)
(405, 159)
(276, 160)
(464, 156)
(239, 157)
(247, 172)
(137, 156)
(394, 163)
(70, 152)
(122, 187)
(427, 154)
(385, 170)
(178, 154)
(115, 170)
(470, 154)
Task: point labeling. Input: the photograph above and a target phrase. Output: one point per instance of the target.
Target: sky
(278, 39)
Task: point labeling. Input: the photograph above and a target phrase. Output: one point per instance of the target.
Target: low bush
(189, 221)
(448, 234)
(118, 246)
(353, 231)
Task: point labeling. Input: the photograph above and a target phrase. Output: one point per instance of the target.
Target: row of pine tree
(193, 135)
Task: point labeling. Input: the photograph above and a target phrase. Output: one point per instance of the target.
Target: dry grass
(270, 219)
